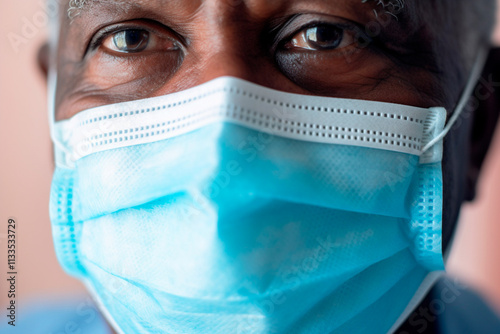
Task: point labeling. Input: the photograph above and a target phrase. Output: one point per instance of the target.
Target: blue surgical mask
(234, 208)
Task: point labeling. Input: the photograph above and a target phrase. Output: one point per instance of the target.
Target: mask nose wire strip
(474, 77)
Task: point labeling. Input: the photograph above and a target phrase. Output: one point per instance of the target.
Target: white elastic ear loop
(54, 28)
(51, 97)
(469, 88)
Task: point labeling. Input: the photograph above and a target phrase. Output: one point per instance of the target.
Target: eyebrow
(394, 8)
(76, 5)
(391, 7)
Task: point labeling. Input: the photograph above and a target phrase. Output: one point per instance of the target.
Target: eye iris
(131, 40)
(325, 37)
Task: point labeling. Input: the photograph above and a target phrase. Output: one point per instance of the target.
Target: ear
(43, 59)
(485, 120)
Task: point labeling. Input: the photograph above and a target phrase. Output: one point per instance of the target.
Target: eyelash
(109, 31)
(101, 37)
(346, 28)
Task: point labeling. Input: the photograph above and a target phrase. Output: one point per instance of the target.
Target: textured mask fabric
(233, 208)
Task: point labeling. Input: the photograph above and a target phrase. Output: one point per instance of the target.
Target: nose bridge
(227, 62)
(229, 43)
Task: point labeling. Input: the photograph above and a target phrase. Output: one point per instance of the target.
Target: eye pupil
(325, 37)
(132, 40)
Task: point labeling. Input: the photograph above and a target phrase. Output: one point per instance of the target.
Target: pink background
(26, 167)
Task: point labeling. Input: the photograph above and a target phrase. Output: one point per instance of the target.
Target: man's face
(115, 51)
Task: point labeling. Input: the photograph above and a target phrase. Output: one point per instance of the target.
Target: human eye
(132, 58)
(134, 38)
(310, 32)
(128, 41)
(321, 37)
(120, 61)
(326, 54)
